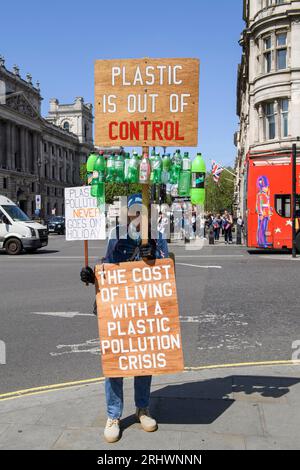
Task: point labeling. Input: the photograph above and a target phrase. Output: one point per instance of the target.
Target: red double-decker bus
(269, 202)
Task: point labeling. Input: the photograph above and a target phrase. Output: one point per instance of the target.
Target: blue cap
(134, 199)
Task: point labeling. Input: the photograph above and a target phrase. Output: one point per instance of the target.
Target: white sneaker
(112, 430)
(148, 423)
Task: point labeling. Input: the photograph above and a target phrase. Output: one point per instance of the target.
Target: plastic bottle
(133, 169)
(197, 191)
(184, 184)
(90, 167)
(156, 169)
(176, 168)
(119, 169)
(144, 174)
(98, 177)
(166, 167)
(126, 166)
(110, 168)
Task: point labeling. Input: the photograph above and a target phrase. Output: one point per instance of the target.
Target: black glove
(148, 251)
(87, 275)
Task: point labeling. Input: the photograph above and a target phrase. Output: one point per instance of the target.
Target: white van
(17, 231)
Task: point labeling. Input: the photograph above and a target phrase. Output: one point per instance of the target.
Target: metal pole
(294, 183)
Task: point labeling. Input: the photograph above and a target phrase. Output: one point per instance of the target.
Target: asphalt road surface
(235, 307)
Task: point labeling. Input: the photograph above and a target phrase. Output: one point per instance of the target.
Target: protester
(121, 249)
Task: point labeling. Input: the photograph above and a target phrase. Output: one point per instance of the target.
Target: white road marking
(91, 346)
(197, 266)
(64, 314)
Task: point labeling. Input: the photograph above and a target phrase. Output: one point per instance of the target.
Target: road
(235, 307)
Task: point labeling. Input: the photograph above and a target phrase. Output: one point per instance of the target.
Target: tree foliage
(220, 196)
(83, 173)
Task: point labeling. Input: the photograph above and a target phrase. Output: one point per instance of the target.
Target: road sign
(138, 318)
(146, 102)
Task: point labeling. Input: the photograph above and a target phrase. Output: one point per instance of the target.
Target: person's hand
(87, 275)
(147, 251)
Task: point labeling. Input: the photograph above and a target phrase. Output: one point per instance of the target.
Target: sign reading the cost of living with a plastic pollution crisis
(138, 318)
(84, 220)
(146, 102)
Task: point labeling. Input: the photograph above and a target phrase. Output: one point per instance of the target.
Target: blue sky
(58, 41)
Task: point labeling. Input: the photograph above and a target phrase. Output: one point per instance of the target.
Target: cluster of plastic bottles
(177, 170)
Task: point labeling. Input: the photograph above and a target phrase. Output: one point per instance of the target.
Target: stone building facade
(268, 88)
(39, 155)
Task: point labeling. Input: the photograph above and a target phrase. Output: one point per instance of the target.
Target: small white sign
(38, 202)
(84, 219)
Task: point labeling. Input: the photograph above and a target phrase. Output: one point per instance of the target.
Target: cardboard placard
(138, 318)
(146, 102)
(84, 219)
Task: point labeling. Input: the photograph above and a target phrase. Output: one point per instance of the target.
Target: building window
(284, 105)
(66, 126)
(59, 152)
(276, 119)
(4, 183)
(33, 187)
(267, 54)
(281, 51)
(270, 121)
(52, 149)
(45, 147)
(53, 172)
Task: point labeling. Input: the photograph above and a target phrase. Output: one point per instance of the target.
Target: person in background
(121, 249)
(162, 225)
(240, 229)
(227, 225)
(217, 226)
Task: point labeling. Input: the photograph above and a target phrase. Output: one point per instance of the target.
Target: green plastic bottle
(133, 169)
(110, 168)
(176, 167)
(166, 165)
(184, 184)
(198, 171)
(119, 169)
(98, 176)
(156, 169)
(90, 167)
(126, 166)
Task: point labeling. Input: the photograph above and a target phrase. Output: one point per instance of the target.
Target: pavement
(253, 407)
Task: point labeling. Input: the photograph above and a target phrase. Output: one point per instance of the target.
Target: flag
(216, 171)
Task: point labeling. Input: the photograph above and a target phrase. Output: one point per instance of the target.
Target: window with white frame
(267, 54)
(284, 109)
(274, 51)
(281, 51)
(276, 119)
(270, 121)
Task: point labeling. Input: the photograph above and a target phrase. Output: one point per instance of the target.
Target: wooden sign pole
(86, 255)
(145, 208)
